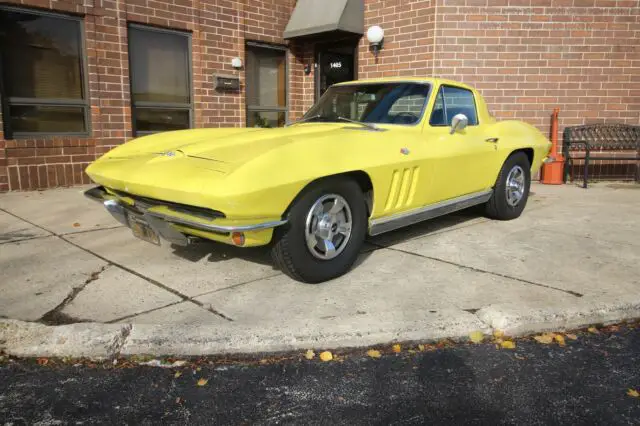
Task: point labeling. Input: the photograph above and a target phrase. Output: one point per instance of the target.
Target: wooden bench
(601, 142)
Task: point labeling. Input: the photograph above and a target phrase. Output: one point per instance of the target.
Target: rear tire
(326, 228)
(511, 191)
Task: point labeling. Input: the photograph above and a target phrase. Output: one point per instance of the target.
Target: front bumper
(176, 222)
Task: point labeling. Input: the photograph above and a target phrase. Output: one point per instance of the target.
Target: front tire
(326, 228)
(511, 191)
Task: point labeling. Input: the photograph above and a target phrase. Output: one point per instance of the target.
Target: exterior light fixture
(236, 63)
(375, 35)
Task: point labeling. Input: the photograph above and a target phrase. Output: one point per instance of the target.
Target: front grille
(145, 203)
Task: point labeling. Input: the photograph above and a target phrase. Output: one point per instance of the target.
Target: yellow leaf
(593, 330)
(476, 336)
(76, 225)
(421, 347)
(326, 356)
(634, 393)
(508, 344)
(572, 336)
(498, 334)
(178, 374)
(309, 354)
(374, 353)
(560, 339)
(203, 382)
(545, 339)
(397, 348)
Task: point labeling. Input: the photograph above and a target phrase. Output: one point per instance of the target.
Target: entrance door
(335, 63)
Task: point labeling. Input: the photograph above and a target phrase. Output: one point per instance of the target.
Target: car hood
(228, 147)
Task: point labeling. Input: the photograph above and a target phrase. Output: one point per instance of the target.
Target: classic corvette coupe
(369, 157)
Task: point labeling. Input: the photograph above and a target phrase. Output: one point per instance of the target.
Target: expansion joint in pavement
(471, 268)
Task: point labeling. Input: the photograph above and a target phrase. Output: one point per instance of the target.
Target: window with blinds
(42, 74)
(160, 68)
(266, 86)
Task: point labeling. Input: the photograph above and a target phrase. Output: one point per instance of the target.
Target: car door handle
(492, 140)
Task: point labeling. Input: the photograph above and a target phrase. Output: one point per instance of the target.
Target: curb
(530, 318)
(102, 341)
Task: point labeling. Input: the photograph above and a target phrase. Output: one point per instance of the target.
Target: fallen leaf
(264, 361)
(593, 330)
(76, 225)
(545, 339)
(613, 328)
(178, 400)
(634, 393)
(476, 336)
(560, 339)
(397, 348)
(309, 354)
(520, 357)
(203, 382)
(421, 347)
(571, 336)
(42, 361)
(178, 374)
(374, 353)
(326, 356)
(498, 334)
(411, 351)
(508, 344)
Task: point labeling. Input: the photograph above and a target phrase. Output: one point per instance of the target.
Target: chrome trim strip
(217, 228)
(118, 211)
(386, 224)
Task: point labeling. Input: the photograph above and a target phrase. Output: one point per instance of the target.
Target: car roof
(430, 80)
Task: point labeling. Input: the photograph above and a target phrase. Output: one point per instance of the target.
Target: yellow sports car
(369, 157)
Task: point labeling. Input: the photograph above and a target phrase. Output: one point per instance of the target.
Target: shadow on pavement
(422, 229)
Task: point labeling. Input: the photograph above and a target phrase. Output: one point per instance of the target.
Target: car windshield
(379, 103)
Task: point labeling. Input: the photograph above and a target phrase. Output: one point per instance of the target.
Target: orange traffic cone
(552, 170)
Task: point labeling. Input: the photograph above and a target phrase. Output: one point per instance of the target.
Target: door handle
(492, 140)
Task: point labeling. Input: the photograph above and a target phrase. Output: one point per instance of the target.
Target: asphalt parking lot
(64, 260)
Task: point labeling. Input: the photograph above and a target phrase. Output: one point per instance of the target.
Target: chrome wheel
(328, 226)
(516, 182)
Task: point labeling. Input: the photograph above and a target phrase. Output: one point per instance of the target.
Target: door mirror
(458, 122)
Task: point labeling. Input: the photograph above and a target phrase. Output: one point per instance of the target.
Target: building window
(266, 71)
(42, 74)
(160, 67)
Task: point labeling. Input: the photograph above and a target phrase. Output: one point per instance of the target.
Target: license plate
(142, 230)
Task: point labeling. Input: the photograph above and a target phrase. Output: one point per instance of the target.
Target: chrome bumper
(162, 223)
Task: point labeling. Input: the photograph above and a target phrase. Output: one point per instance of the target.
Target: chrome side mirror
(458, 122)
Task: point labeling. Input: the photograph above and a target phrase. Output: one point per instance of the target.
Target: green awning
(311, 17)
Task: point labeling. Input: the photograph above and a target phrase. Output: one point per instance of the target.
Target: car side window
(451, 101)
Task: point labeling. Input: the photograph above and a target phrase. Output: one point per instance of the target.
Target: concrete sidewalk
(573, 258)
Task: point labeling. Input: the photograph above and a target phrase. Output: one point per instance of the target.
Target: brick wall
(218, 29)
(525, 56)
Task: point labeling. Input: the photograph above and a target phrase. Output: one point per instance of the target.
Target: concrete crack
(472, 268)
(119, 341)
(55, 316)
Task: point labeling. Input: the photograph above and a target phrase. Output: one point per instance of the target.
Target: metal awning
(312, 17)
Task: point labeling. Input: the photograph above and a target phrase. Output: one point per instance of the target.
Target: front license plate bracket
(141, 229)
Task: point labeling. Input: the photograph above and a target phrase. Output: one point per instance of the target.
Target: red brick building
(81, 76)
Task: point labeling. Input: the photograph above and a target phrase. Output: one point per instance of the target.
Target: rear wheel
(511, 191)
(325, 231)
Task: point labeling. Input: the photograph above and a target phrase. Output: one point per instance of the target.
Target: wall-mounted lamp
(375, 35)
(236, 63)
(307, 68)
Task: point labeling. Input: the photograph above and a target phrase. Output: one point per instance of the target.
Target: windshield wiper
(369, 125)
(304, 120)
(339, 118)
